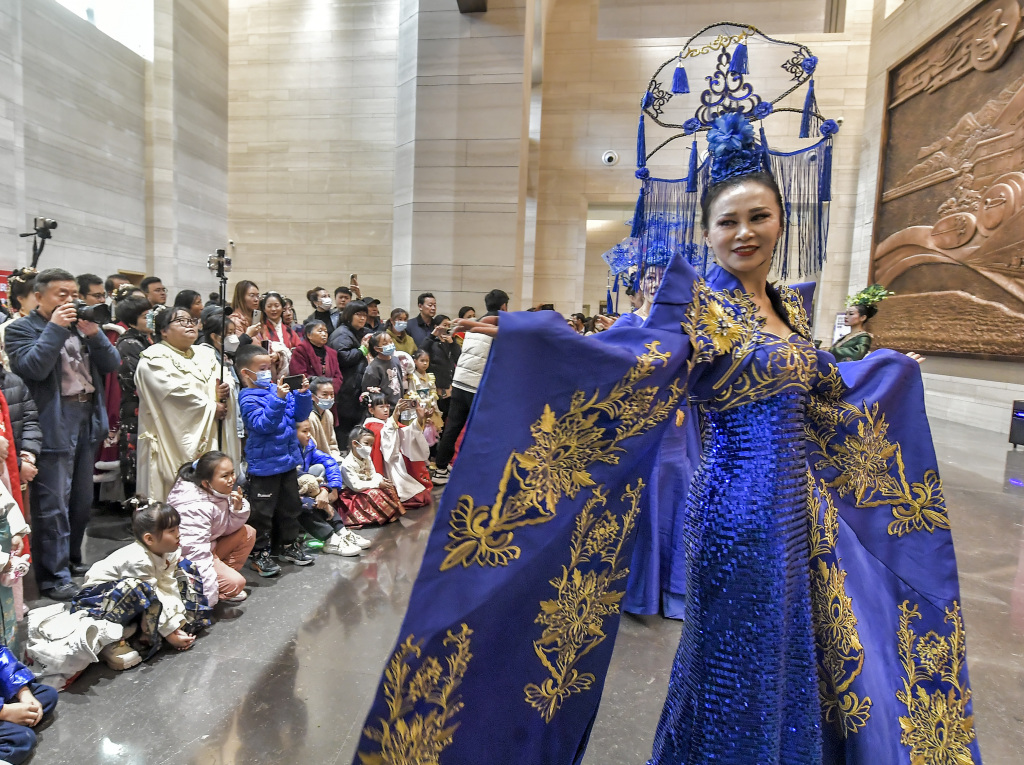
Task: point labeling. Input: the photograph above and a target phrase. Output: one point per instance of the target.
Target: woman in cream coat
(179, 407)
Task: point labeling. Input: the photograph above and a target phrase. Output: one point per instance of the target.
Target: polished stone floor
(287, 676)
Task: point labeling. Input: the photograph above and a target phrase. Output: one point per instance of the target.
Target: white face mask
(231, 343)
(362, 451)
(326, 303)
(218, 494)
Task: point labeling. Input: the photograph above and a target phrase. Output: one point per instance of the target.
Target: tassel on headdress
(641, 145)
(680, 84)
(691, 176)
(738, 63)
(810, 109)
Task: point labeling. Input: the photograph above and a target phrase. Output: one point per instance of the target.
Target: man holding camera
(62, 356)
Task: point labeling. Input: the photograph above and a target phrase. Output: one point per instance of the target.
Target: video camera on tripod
(41, 231)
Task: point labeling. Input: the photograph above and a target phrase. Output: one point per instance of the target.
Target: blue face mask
(400, 326)
(264, 378)
(388, 350)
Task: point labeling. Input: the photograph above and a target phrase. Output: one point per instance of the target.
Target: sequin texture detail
(743, 687)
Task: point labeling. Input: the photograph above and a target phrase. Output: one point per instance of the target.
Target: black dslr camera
(97, 314)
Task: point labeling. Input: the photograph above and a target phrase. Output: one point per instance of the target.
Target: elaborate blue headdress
(667, 216)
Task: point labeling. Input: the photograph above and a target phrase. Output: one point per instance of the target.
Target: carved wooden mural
(949, 233)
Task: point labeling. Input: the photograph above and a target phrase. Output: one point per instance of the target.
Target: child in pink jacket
(214, 533)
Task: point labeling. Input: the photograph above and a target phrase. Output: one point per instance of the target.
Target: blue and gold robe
(510, 628)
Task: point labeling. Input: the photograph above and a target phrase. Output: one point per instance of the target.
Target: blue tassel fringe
(738, 64)
(810, 107)
(680, 84)
(691, 176)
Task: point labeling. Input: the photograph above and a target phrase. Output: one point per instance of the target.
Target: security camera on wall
(610, 158)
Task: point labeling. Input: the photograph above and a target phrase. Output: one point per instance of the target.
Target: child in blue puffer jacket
(24, 705)
(270, 412)
(320, 480)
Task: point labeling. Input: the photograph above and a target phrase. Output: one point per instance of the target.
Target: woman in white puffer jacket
(214, 532)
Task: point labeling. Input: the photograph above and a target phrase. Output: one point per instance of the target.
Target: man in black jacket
(62, 360)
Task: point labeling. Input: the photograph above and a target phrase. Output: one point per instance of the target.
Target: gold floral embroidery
(795, 313)
(407, 737)
(558, 463)
(840, 652)
(574, 621)
(937, 728)
(789, 367)
(854, 441)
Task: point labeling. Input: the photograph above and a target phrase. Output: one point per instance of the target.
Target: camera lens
(98, 314)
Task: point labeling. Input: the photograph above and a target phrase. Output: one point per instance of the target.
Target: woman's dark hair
(202, 469)
(358, 432)
(238, 300)
(151, 517)
(266, 296)
(21, 283)
(356, 306)
(163, 319)
(716, 190)
(439, 318)
(131, 308)
(371, 399)
(186, 298)
(214, 321)
(312, 294)
(867, 311)
(312, 324)
(466, 309)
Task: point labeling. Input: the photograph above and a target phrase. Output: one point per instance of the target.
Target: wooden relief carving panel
(949, 233)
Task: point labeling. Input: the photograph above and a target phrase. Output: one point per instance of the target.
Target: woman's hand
(365, 342)
(223, 391)
(27, 471)
(254, 329)
(916, 357)
(237, 500)
(605, 321)
(222, 410)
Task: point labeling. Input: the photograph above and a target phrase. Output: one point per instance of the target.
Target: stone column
(460, 124)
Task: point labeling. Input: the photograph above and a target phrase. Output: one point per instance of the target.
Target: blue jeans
(17, 741)
(61, 499)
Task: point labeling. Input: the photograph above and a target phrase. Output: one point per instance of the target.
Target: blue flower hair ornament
(732, 148)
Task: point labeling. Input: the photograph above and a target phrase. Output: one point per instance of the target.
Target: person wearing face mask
(384, 373)
(227, 338)
(313, 358)
(272, 451)
(368, 499)
(214, 532)
(134, 313)
(180, 401)
(323, 309)
(397, 329)
(322, 420)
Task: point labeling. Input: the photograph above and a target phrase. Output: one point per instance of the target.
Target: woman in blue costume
(823, 620)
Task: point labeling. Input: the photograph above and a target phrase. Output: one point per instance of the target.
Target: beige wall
(591, 92)
(71, 140)
(978, 393)
(312, 143)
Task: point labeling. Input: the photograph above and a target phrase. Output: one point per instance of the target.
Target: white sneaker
(439, 476)
(239, 598)
(338, 545)
(355, 539)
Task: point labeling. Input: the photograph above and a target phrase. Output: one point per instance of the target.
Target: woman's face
(223, 479)
(744, 225)
(320, 297)
(853, 317)
(182, 331)
(288, 314)
(422, 363)
(196, 308)
(651, 282)
(252, 298)
(318, 336)
(470, 315)
(381, 411)
(444, 326)
(358, 321)
(273, 309)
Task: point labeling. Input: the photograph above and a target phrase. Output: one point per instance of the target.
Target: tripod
(220, 264)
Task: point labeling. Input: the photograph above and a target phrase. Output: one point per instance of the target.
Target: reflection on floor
(287, 676)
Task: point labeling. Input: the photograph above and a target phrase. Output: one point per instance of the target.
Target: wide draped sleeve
(888, 616)
(512, 619)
